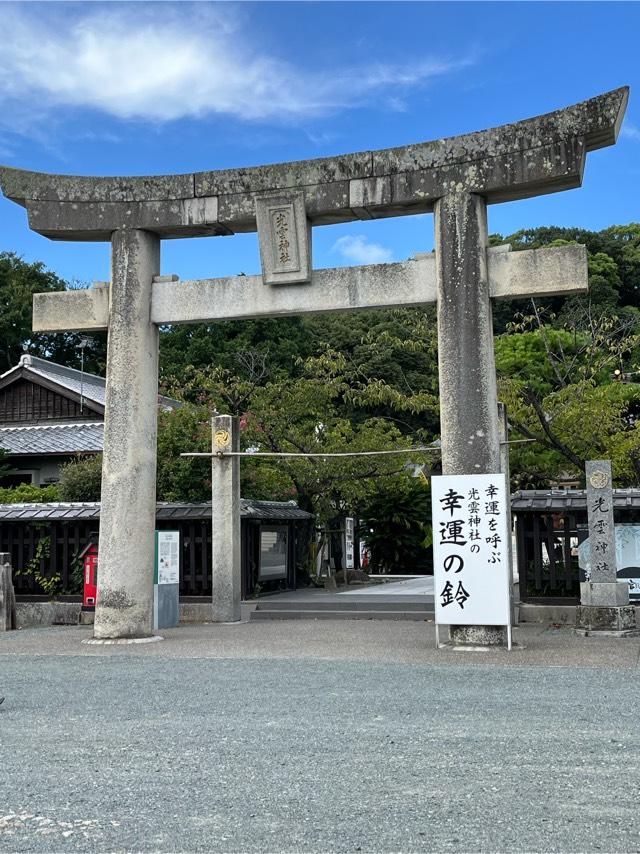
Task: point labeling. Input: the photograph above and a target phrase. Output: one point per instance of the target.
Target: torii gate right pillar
(468, 393)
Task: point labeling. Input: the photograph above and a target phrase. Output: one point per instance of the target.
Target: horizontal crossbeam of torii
(455, 177)
(534, 272)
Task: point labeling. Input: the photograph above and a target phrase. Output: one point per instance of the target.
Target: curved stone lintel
(532, 157)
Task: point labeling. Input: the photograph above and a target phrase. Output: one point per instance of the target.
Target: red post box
(89, 559)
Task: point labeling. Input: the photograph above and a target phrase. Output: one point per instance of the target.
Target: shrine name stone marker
(456, 178)
(604, 601)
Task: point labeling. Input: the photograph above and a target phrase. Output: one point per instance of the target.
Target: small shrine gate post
(456, 178)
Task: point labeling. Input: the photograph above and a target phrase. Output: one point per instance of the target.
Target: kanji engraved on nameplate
(285, 247)
(602, 549)
(284, 237)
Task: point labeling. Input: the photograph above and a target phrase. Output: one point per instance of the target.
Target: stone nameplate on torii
(455, 178)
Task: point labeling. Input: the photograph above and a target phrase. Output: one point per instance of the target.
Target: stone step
(351, 604)
(308, 614)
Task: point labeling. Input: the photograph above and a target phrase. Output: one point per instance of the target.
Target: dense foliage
(27, 493)
(19, 281)
(395, 526)
(80, 479)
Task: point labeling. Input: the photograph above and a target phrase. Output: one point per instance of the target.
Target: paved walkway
(422, 586)
(318, 736)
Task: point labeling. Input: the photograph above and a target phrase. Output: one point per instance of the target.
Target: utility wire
(314, 454)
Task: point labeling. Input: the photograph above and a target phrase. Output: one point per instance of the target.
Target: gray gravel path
(360, 738)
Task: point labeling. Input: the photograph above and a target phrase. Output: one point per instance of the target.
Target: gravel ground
(317, 736)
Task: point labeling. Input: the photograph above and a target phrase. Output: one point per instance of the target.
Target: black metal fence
(46, 555)
(547, 555)
(547, 527)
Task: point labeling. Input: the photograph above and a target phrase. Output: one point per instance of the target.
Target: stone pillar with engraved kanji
(604, 601)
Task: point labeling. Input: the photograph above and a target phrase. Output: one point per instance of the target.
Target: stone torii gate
(456, 177)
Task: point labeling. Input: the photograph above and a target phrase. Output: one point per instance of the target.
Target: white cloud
(162, 62)
(357, 249)
(630, 132)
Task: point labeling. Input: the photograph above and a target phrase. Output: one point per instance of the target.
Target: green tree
(182, 478)
(80, 479)
(395, 523)
(19, 281)
(301, 416)
(29, 493)
(560, 390)
(614, 269)
(277, 342)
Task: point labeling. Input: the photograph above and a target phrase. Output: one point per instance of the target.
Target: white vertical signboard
(349, 543)
(470, 550)
(167, 557)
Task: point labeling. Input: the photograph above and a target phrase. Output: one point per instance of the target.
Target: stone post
(468, 394)
(604, 601)
(124, 607)
(225, 515)
(7, 595)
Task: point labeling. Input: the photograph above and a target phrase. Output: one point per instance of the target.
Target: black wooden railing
(53, 548)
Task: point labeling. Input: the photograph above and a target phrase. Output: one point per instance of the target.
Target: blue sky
(155, 88)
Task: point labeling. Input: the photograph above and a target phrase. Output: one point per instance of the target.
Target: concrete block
(604, 593)
(37, 614)
(80, 311)
(285, 238)
(196, 612)
(478, 635)
(564, 615)
(601, 618)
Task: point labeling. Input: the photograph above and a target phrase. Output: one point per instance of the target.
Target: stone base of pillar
(610, 594)
(121, 641)
(606, 620)
(478, 636)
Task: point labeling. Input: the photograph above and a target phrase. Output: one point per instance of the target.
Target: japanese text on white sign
(168, 557)
(470, 550)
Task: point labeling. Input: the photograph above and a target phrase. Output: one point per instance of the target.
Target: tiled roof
(80, 437)
(555, 501)
(91, 386)
(264, 510)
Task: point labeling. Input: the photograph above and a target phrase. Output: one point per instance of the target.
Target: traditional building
(50, 414)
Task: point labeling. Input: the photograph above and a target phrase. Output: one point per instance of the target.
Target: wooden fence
(53, 548)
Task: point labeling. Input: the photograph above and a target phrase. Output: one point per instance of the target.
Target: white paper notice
(470, 549)
(349, 542)
(168, 557)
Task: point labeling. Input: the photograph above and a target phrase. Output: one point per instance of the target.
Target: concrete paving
(318, 736)
(422, 586)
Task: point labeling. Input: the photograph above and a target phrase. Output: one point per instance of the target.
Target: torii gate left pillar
(455, 177)
(128, 500)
